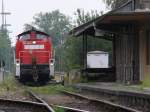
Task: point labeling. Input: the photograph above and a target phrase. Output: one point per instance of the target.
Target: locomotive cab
(34, 57)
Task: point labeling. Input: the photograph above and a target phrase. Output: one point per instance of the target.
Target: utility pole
(4, 14)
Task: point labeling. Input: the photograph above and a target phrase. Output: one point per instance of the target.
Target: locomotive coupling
(34, 70)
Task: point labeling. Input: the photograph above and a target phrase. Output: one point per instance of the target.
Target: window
(40, 36)
(25, 37)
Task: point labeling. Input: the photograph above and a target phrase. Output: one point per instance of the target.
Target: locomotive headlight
(52, 64)
(34, 42)
(17, 64)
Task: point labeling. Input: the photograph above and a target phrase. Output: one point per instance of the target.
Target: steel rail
(40, 100)
(117, 107)
(67, 109)
(9, 103)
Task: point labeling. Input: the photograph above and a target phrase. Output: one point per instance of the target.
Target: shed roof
(97, 52)
(111, 19)
(90, 25)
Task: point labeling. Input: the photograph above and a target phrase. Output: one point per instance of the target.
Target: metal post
(84, 54)
(86, 51)
(133, 5)
(114, 52)
(2, 14)
(83, 49)
(1, 71)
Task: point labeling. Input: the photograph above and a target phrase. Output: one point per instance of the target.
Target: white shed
(97, 59)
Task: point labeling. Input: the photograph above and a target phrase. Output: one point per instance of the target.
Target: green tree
(28, 27)
(82, 17)
(54, 23)
(5, 49)
(73, 53)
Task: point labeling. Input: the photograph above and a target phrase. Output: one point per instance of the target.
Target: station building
(128, 27)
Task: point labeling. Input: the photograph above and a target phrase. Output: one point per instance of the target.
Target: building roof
(111, 19)
(125, 14)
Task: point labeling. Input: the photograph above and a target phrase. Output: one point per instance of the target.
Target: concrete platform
(133, 96)
(117, 89)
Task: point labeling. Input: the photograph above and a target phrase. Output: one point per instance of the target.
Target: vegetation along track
(103, 106)
(14, 98)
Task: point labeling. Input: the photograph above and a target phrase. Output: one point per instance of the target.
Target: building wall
(144, 4)
(120, 2)
(131, 50)
(127, 55)
(144, 66)
(141, 4)
(132, 54)
(125, 6)
(133, 4)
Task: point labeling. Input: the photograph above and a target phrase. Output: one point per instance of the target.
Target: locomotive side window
(25, 37)
(40, 36)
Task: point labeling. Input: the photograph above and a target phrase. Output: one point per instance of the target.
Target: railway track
(83, 104)
(9, 105)
(129, 96)
(40, 101)
(105, 106)
(36, 104)
(66, 109)
(23, 106)
(100, 105)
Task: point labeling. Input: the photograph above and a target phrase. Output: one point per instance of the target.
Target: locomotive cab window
(24, 37)
(40, 36)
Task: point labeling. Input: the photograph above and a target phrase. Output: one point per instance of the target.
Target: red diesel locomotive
(34, 61)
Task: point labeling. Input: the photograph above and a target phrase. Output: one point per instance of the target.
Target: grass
(50, 89)
(58, 109)
(10, 87)
(8, 84)
(146, 82)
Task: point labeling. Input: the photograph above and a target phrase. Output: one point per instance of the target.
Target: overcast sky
(22, 11)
